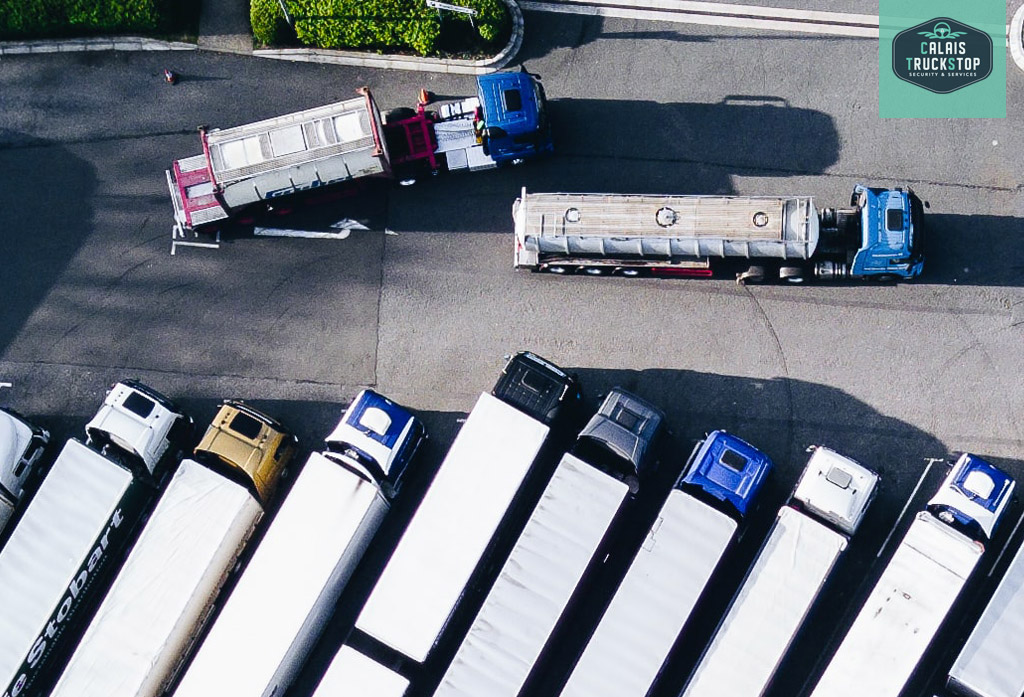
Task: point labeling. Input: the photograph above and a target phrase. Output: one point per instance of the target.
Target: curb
(113, 43)
(304, 55)
(1016, 37)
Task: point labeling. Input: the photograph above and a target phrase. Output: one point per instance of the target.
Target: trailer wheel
(399, 114)
(629, 273)
(407, 181)
(561, 270)
(755, 274)
(791, 274)
(595, 271)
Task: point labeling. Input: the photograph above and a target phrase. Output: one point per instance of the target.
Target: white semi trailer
(74, 533)
(795, 562)
(560, 540)
(288, 590)
(670, 571)
(450, 532)
(165, 592)
(754, 238)
(989, 664)
(918, 587)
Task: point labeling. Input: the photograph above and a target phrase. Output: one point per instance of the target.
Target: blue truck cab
(973, 497)
(892, 233)
(728, 470)
(515, 123)
(378, 437)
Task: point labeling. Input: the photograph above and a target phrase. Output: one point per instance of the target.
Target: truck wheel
(399, 114)
(755, 274)
(561, 270)
(518, 161)
(629, 273)
(407, 181)
(791, 274)
(595, 271)
(887, 278)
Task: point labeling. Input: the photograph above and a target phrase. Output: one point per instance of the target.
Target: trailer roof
(654, 600)
(54, 536)
(309, 538)
(536, 582)
(244, 151)
(351, 674)
(448, 534)
(769, 608)
(989, 663)
(903, 612)
(176, 566)
(613, 215)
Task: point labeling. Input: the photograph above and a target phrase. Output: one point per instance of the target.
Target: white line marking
(1005, 546)
(284, 232)
(920, 481)
(6, 384)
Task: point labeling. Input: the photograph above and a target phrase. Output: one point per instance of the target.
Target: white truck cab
(21, 446)
(140, 421)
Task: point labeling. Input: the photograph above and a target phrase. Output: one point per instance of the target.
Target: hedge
(375, 24)
(20, 19)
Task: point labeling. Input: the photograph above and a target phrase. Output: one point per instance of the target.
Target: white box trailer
(351, 674)
(288, 590)
(548, 561)
(794, 563)
(460, 512)
(166, 589)
(670, 570)
(59, 557)
(989, 664)
(918, 587)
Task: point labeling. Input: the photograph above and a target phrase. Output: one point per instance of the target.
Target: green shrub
(21, 19)
(374, 24)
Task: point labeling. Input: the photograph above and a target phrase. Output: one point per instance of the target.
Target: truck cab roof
(889, 220)
(536, 387)
(509, 101)
(621, 435)
(379, 435)
(728, 469)
(255, 447)
(836, 488)
(140, 421)
(973, 496)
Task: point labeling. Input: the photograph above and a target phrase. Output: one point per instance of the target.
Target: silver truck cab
(620, 436)
(836, 489)
(21, 446)
(141, 422)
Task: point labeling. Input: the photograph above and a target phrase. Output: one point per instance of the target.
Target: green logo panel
(942, 59)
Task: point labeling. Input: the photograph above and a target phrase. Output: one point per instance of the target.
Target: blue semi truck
(246, 166)
(755, 239)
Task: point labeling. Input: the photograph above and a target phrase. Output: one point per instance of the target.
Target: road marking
(721, 14)
(285, 232)
(1005, 546)
(744, 16)
(6, 384)
(920, 481)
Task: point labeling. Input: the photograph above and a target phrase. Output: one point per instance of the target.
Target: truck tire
(399, 114)
(755, 274)
(628, 272)
(557, 269)
(791, 274)
(595, 270)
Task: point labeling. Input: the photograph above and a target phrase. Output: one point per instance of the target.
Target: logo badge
(942, 55)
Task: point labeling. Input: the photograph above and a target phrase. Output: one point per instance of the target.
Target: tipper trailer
(809, 535)
(74, 533)
(560, 541)
(755, 238)
(21, 447)
(918, 587)
(462, 509)
(288, 590)
(990, 664)
(674, 564)
(261, 162)
(165, 592)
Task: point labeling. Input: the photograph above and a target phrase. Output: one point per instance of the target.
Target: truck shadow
(44, 225)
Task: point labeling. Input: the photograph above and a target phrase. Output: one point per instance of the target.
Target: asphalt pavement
(890, 375)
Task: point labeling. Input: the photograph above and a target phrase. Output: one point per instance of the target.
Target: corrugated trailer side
(165, 589)
(989, 664)
(536, 582)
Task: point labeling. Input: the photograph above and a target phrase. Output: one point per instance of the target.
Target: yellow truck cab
(251, 444)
